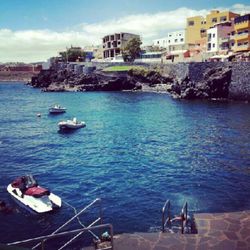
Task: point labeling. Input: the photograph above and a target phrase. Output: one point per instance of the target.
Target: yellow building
(195, 30)
(215, 17)
(197, 26)
(242, 33)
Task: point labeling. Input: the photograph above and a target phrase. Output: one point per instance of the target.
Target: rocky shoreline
(215, 82)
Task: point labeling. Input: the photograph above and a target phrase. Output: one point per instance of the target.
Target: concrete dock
(221, 231)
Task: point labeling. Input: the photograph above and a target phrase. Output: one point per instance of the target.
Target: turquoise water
(137, 150)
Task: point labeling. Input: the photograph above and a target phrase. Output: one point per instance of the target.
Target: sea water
(136, 151)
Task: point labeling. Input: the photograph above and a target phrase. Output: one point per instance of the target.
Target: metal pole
(163, 221)
(112, 238)
(52, 236)
(42, 244)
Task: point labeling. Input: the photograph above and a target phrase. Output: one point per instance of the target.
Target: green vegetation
(132, 49)
(73, 54)
(124, 68)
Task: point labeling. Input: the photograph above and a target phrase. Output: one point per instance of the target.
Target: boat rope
(79, 221)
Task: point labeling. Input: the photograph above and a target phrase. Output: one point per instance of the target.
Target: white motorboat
(26, 190)
(71, 124)
(57, 109)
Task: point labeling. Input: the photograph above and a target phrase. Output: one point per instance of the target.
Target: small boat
(71, 124)
(26, 190)
(57, 109)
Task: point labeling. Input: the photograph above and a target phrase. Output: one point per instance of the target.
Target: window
(214, 20)
(213, 45)
(175, 40)
(182, 39)
(213, 35)
(169, 41)
(223, 18)
(191, 23)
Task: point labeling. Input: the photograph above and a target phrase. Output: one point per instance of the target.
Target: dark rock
(215, 84)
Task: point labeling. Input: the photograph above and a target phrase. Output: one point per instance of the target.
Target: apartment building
(113, 43)
(218, 38)
(241, 34)
(176, 38)
(196, 27)
(215, 17)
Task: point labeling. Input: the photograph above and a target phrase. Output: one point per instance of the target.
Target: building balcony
(231, 37)
(223, 48)
(242, 47)
(241, 36)
(224, 40)
(242, 25)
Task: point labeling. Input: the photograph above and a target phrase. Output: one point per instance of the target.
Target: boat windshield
(30, 181)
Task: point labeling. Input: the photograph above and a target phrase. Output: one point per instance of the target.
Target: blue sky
(62, 14)
(37, 29)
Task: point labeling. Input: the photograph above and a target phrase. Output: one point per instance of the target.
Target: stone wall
(239, 88)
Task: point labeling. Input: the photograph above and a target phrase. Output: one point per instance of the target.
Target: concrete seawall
(239, 88)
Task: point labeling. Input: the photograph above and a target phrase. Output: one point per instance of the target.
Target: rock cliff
(184, 80)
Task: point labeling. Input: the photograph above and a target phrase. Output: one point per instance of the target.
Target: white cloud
(37, 45)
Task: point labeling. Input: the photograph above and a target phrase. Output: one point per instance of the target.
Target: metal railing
(44, 238)
(184, 216)
(76, 216)
(166, 208)
(182, 220)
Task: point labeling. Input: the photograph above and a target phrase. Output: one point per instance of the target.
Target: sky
(34, 30)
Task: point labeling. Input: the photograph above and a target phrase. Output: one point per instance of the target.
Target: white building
(46, 65)
(172, 39)
(218, 37)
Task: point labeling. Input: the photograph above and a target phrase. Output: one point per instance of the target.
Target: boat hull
(42, 204)
(57, 111)
(71, 126)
